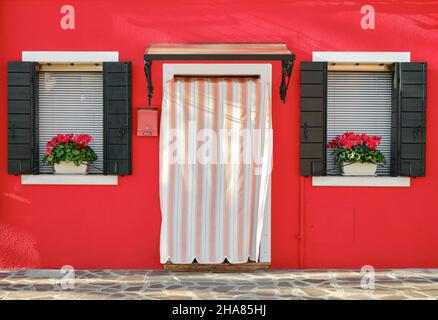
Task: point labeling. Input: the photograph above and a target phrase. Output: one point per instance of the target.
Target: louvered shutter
(117, 118)
(313, 118)
(409, 119)
(22, 104)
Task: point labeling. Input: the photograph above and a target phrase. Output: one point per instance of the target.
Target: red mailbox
(147, 122)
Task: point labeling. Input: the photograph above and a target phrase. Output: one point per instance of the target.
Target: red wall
(118, 226)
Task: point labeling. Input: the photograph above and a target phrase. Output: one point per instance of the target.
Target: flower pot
(69, 167)
(358, 169)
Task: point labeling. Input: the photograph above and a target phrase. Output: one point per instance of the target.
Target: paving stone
(135, 288)
(431, 293)
(266, 291)
(203, 295)
(246, 288)
(44, 287)
(212, 283)
(118, 296)
(416, 295)
(301, 283)
(358, 297)
(223, 289)
(284, 284)
(159, 273)
(175, 286)
(196, 288)
(178, 297)
(243, 297)
(314, 292)
(422, 286)
(186, 283)
(283, 292)
(393, 297)
(265, 283)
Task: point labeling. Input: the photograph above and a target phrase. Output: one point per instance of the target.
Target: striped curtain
(215, 169)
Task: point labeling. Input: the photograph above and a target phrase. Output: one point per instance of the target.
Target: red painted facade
(118, 226)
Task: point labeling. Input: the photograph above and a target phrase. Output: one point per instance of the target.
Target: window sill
(342, 181)
(64, 179)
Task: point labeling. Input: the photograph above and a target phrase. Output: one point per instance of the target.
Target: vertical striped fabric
(213, 210)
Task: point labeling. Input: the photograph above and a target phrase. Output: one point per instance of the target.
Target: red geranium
(80, 140)
(350, 139)
(353, 147)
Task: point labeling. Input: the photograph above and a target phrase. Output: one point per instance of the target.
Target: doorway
(215, 210)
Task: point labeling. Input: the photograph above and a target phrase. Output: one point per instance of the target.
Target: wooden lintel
(359, 67)
(70, 67)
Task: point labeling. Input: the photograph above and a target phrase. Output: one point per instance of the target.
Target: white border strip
(70, 56)
(361, 57)
(57, 179)
(341, 181)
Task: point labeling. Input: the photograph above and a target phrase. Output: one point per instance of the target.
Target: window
(391, 104)
(84, 96)
(359, 102)
(71, 102)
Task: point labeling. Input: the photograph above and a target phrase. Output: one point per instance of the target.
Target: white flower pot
(358, 169)
(69, 167)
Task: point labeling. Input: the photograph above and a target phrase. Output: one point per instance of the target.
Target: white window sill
(341, 181)
(64, 179)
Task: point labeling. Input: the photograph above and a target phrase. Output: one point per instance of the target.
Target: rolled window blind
(71, 102)
(359, 102)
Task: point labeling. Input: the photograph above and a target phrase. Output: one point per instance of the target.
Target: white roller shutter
(71, 102)
(359, 102)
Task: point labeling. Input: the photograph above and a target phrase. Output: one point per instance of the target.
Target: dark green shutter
(409, 119)
(22, 108)
(313, 118)
(117, 118)
(394, 163)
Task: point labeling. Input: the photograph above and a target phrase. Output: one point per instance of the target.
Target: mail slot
(147, 122)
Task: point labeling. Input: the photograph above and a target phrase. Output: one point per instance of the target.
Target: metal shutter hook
(122, 131)
(306, 131)
(416, 131)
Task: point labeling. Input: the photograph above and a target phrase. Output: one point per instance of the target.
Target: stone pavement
(274, 284)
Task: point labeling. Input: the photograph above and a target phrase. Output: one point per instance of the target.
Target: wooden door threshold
(221, 267)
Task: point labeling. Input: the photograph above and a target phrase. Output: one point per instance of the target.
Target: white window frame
(360, 57)
(69, 57)
(264, 71)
